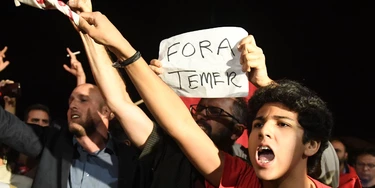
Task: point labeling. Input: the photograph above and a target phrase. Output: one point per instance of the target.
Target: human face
(365, 167)
(85, 105)
(275, 142)
(38, 117)
(340, 151)
(218, 128)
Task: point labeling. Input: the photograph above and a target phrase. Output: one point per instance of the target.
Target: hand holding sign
(51, 4)
(156, 66)
(253, 62)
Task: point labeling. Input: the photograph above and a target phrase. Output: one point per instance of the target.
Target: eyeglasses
(362, 165)
(211, 111)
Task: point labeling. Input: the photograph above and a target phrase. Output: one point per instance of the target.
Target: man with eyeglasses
(223, 120)
(365, 167)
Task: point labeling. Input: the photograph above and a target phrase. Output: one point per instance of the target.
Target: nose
(73, 105)
(265, 131)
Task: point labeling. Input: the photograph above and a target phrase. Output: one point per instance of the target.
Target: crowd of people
(110, 142)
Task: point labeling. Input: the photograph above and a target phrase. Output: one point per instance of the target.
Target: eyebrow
(79, 96)
(262, 118)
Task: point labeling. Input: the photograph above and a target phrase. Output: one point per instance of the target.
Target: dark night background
(326, 45)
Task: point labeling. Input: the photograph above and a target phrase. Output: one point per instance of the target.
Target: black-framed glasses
(211, 111)
(362, 165)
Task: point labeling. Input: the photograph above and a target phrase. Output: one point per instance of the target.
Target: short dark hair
(240, 110)
(338, 139)
(365, 151)
(36, 107)
(313, 113)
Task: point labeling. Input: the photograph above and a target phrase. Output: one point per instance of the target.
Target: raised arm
(161, 100)
(136, 124)
(9, 101)
(17, 135)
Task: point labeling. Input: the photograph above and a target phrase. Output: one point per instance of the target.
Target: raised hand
(9, 102)
(253, 62)
(75, 68)
(156, 66)
(3, 64)
(99, 28)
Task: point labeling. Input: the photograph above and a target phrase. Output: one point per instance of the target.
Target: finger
(72, 4)
(247, 40)
(84, 24)
(67, 68)
(9, 81)
(4, 50)
(252, 56)
(72, 56)
(6, 63)
(156, 70)
(89, 17)
(250, 48)
(156, 62)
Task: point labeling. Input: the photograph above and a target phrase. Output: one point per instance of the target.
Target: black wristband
(128, 61)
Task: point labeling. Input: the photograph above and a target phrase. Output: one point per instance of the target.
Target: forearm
(134, 121)
(17, 135)
(81, 80)
(174, 117)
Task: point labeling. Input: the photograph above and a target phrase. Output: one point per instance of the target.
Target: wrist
(123, 51)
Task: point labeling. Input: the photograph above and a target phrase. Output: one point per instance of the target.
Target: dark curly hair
(313, 114)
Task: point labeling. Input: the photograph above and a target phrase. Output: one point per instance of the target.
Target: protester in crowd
(348, 175)
(365, 167)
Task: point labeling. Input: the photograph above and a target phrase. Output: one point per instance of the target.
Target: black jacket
(56, 151)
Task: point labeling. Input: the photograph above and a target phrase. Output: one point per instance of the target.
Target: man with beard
(76, 155)
(348, 175)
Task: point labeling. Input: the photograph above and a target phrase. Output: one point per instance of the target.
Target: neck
(94, 142)
(295, 177)
(342, 167)
(1, 162)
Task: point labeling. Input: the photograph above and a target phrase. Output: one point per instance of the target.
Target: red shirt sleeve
(237, 174)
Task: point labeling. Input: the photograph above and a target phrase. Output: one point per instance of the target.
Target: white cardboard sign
(204, 63)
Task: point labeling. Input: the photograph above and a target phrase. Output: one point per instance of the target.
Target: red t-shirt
(239, 174)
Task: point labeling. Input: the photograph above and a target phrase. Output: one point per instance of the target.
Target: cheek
(68, 114)
(253, 142)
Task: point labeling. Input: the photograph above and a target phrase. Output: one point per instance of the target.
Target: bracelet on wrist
(128, 61)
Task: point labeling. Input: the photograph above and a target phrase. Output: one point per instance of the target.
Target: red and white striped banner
(51, 4)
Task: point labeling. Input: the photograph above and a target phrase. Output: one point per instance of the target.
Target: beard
(83, 127)
(221, 138)
(342, 161)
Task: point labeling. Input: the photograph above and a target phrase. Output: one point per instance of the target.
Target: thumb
(84, 25)
(67, 68)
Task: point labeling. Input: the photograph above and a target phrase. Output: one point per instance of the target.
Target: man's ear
(107, 112)
(238, 129)
(311, 147)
